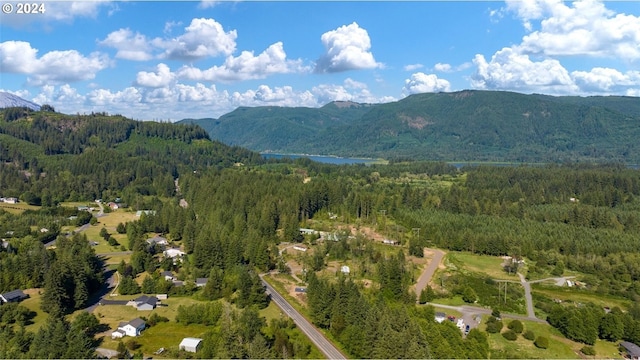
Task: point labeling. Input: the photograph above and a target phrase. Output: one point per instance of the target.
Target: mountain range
(468, 125)
(9, 100)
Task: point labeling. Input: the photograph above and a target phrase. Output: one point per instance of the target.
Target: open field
(167, 335)
(606, 349)
(490, 265)
(18, 208)
(112, 315)
(559, 347)
(578, 295)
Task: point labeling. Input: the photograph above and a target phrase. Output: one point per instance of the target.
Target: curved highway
(327, 348)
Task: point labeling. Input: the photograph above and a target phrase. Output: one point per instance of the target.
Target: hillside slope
(460, 126)
(70, 157)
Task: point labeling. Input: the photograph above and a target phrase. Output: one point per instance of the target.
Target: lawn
(559, 346)
(167, 335)
(33, 303)
(606, 349)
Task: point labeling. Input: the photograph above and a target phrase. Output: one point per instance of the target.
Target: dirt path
(428, 272)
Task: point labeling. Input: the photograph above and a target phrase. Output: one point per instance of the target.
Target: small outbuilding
(632, 349)
(13, 296)
(190, 344)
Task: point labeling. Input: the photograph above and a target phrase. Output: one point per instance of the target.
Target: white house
(440, 317)
(11, 200)
(190, 344)
(131, 328)
(200, 282)
(174, 253)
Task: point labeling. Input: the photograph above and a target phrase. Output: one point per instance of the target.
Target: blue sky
(157, 60)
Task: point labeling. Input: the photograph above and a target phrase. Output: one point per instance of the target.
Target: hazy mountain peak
(10, 100)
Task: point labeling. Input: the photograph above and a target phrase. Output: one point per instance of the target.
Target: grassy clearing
(490, 265)
(453, 301)
(578, 295)
(112, 315)
(559, 347)
(606, 349)
(33, 303)
(18, 208)
(167, 335)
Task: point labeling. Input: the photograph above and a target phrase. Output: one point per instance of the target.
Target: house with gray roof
(144, 302)
(632, 349)
(13, 296)
(131, 328)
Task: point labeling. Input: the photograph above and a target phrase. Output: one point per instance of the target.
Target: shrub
(529, 335)
(133, 344)
(494, 327)
(588, 350)
(495, 313)
(510, 335)
(541, 342)
(516, 326)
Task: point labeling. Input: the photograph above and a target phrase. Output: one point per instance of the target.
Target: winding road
(324, 345)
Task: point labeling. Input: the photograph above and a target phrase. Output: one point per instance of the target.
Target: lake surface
(320, 158)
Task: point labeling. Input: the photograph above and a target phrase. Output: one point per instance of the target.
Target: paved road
(427, 274)
(327, 348)
(527, 296)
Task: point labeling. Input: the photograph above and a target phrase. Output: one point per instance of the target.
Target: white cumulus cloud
(347, 48)
(509, 70)
(246, 66)
(422, 83)
(583, 27)
(53, 67)
(202, 38)
(605, 80)
(162, 77)
(130, 46)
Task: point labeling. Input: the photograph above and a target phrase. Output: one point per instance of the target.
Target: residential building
(13, 296)
(632, 350)
(190, 344)
(131, 328)
(144, 302)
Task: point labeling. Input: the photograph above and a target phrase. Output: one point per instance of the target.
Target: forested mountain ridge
(55, 157)
(459, 126)
(278, 128)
